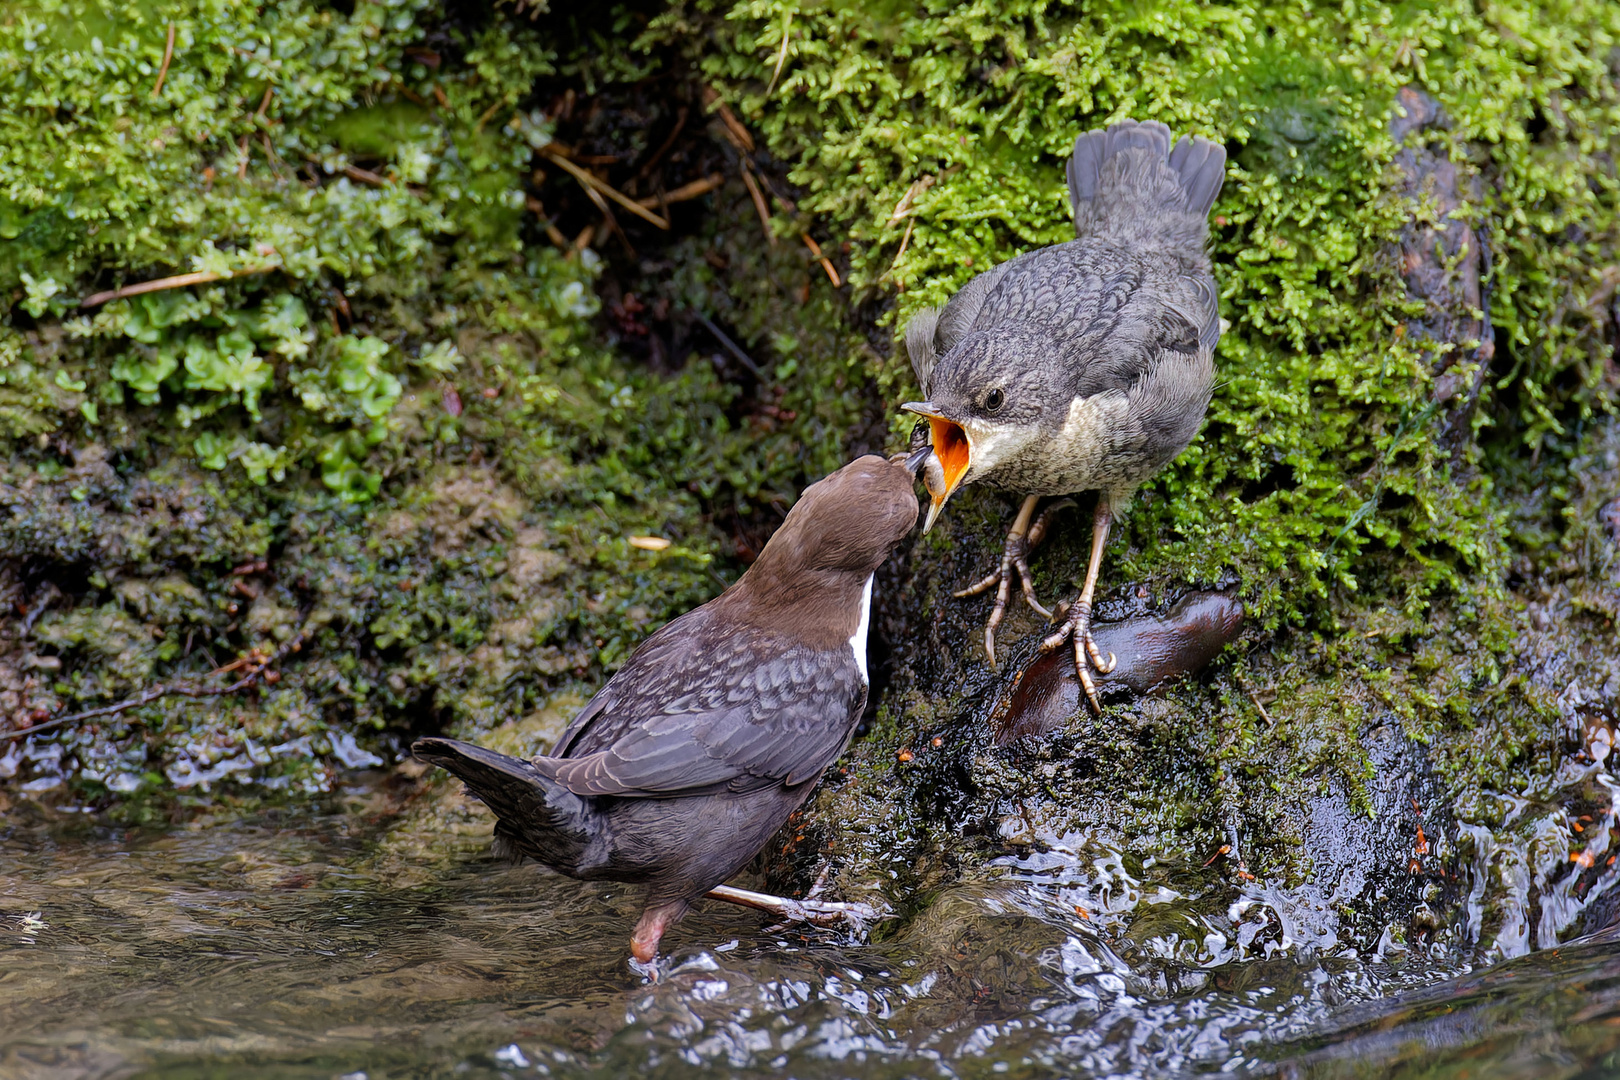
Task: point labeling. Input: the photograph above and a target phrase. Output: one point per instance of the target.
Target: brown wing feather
(735, 710)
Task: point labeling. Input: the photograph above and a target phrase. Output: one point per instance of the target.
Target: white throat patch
(857, 640)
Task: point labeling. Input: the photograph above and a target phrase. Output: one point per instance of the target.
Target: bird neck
(821, 607)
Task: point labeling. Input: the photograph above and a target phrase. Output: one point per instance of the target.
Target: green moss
(408, 444)
(1322, 477)
(1320, 450)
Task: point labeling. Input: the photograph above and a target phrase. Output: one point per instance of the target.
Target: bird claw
(1014, 560)
(1076, 628)
(824, 913)
(829, 913)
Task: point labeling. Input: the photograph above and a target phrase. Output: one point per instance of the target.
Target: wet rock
(1150, 651)
(1443, 258)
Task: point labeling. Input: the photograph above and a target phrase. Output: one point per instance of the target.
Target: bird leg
(1076, 626)
(814, 912)
(1021, 540)
(650, 930)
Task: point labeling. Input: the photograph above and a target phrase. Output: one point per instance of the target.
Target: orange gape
(952, 448)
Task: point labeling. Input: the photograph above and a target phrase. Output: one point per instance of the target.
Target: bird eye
(993, 400)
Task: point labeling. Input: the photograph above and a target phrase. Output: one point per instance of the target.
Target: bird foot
(1076, 628)
(1014, 560)
(823, 913)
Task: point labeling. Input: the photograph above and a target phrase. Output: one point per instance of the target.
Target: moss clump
(1320, 451)
(396, 429)
(1330, 476)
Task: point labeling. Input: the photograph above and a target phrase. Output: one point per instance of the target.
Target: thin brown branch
(904, 241)
(739, 136)
(663, 148)
(179, 281)
(759, 204)
(781, 57)
(903, 208)
(686, 191)
(163, 70)
(554, 234)
(489, 112)
(826, 263)
(365, 176)
(592, 183)
(610, 224)
(256, 670)
(264, 104)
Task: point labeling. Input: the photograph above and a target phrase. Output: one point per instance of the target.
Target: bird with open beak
(1085, 366)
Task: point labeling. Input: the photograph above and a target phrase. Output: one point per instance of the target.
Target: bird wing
(1103, 311)
(693, 713)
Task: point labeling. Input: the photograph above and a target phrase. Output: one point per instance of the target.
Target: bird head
(988, 401)
(847, 522)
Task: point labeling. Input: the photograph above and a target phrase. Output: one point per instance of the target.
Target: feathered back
(1127, 184)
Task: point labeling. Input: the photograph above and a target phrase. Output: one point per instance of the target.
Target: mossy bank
(431, 391)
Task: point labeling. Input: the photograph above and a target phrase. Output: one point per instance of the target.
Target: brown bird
(1084, 366)
(717, 728)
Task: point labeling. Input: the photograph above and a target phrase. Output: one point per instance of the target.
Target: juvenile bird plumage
(1082, 366)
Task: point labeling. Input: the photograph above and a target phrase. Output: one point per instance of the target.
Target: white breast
(857, 640)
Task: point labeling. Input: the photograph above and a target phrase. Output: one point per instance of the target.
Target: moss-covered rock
(422, 392)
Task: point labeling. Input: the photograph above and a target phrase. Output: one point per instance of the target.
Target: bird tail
(1128, 184)
(536, 815)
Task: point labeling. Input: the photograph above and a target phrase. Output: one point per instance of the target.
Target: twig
(242, 166)
(731, 346)
(163, 70)
(826, 263)
(365, 176)
(146, 697)
(738, 134)
(663, 148)
(904, 206)
(264, 104)
(759, 204)
(904, 240)
(489, 112)
(686, 191)
(781, 56)
(554, 234)
(1247, 689)
(591, 184)
(201, 277)
(609, 222)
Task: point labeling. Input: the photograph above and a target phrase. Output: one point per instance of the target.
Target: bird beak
(952, 448)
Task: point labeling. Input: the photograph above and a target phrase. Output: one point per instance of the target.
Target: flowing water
(342, 943)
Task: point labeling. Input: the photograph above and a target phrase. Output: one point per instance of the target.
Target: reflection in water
(306, 946)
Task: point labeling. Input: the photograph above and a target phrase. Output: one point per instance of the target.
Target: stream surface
(321, 945)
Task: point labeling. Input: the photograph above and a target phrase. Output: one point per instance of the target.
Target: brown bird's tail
(537, 816)
(1128, 184)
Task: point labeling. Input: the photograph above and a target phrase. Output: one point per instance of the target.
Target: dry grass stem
(759, 204)
(592, 185)
(179, 281)
(686, 191)
(364, 176)
(826, 263)
(781, 56)
(739, 134)
(903, 207)
(163, 70)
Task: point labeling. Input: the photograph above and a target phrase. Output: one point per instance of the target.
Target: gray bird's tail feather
(538, 817)
(1127, 183)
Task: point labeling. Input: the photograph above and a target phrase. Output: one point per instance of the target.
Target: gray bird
(1084, 366)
